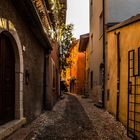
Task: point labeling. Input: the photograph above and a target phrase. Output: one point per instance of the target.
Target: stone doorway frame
(19, 69)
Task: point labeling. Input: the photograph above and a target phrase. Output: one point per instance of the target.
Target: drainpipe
(103, 87)
(118, 75)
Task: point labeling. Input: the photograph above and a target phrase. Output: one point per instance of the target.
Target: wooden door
(7, 80)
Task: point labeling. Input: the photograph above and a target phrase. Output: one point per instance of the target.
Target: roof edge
(125, 23)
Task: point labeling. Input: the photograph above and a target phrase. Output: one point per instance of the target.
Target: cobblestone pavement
(106, 125)
(67, 121)
(74, 118)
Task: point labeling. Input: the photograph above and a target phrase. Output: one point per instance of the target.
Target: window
(108, 94)
(91, 12)
(91, 43)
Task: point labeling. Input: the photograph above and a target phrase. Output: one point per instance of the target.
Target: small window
(91, 9)
(108, 94)
(91, 42)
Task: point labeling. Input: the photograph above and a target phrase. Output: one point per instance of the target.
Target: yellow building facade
(123, 74)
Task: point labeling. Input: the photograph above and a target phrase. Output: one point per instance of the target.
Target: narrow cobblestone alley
(75, 118)
(67, 121)
(65, 71)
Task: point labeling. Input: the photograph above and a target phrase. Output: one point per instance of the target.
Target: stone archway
(14, 41)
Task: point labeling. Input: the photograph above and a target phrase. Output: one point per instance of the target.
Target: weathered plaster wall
(129, 40)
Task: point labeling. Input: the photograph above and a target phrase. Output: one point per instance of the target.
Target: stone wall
(33, 58)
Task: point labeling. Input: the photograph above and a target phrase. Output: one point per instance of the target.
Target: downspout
(103, 87)
(118, 75)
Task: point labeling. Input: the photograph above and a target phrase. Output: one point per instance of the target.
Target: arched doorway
(7, 79)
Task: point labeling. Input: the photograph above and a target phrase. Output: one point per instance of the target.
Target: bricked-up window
(108, 94)
(91, 79)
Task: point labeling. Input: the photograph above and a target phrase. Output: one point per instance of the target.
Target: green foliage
(66, 38)
(66, 35)
(63, 32)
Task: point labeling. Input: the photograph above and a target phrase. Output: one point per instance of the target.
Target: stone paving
(74, 118)
(106, 125)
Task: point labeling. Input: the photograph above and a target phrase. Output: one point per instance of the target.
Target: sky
(78, 14)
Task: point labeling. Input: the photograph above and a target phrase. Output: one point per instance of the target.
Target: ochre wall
(81, 65)
(74, 58)
(112, 73)
(129, 40)
(77, 69)
(73, 67)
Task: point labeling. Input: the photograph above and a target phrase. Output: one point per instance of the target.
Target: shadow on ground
(73, 125)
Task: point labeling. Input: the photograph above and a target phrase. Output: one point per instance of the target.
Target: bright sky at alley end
(78, 14)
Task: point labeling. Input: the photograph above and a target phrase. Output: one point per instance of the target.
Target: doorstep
(10, 127)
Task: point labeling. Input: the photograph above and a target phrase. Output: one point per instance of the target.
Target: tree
(65, 40)
(63, 33)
